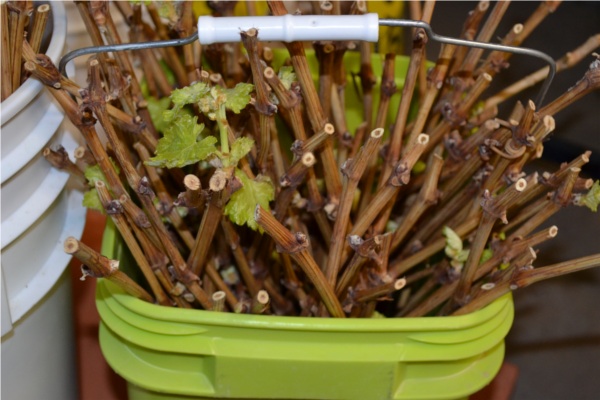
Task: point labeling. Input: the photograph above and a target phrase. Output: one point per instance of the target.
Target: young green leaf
(591, 199)
(240, 208)
(454, 248)
(187, 95)
(287, 76)
(239, 148)
(180, 145)
(165, 11)
(454, 245)
(238, 97)
(94, 174)
(156, 108)
(92, 201)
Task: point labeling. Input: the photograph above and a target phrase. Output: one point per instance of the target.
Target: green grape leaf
(187, 95)
(240, 208)
(238, 97)
(287, 76)
(93, 174)
(156, 108)
(239, 148)
(591, 199)
(92, 201)
(180, 145)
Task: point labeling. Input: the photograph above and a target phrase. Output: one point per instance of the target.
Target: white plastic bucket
(35, 365)
(38, 213)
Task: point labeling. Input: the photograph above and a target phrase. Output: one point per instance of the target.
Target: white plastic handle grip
(290, 28)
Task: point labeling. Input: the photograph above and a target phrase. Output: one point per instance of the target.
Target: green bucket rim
(111, 248)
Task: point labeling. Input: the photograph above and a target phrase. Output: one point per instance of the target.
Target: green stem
(223, 132)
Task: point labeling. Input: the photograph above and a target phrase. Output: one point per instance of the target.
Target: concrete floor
(555, 339)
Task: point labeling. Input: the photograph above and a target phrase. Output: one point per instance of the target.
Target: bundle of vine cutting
(238, 187)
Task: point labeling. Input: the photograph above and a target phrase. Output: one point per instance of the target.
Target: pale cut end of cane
(218, 296)
(329, 129)
(71, 245)
(79, 152)
(29, 66)
(218, 299)
(517, 28)
(191, 182)
(269, 73)
(491, 124)
(400, 283)
(361, 6)
(218, 181)
(585, 157)
(268, 54)
(521, 185)
(553, 231)
(377, 133)
(308, 159)
(262, 297)
(423, 139)
(328, 48)
(326, 6)
(549, 123)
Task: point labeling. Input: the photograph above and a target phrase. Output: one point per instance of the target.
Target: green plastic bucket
(170, 353)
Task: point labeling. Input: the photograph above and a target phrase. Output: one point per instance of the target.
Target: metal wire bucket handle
(288, 28)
